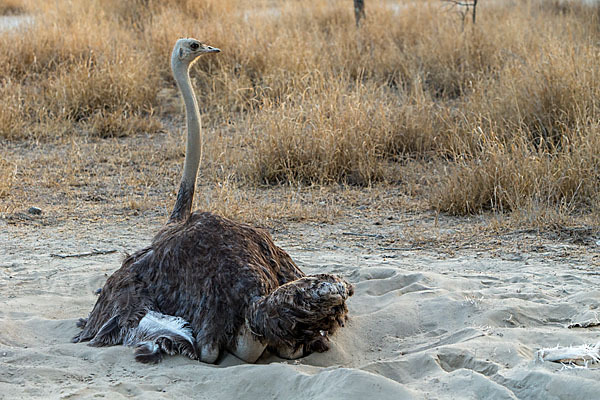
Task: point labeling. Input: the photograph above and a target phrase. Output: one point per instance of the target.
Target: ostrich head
(186, 51)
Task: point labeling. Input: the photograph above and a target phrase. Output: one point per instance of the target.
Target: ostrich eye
(194, 46)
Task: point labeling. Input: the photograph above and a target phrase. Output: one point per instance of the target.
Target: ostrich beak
(210, 49)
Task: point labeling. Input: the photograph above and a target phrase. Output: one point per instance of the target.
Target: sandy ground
(434, 321)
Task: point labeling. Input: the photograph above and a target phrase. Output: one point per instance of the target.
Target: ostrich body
(208, 284)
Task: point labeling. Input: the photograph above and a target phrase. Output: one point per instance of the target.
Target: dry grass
(501, 116)
(12, 7)
(7, 177)
(71, 68)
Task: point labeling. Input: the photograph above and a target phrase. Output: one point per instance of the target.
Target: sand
(12, 22)
(427, 322)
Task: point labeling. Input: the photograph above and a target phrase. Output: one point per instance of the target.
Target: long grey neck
(193, 152)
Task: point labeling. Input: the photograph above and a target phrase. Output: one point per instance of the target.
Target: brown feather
(215, 273)
(300, 313)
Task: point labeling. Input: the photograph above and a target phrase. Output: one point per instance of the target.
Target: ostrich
(207, 284)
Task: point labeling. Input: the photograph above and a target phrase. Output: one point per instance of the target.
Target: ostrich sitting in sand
(208, 284)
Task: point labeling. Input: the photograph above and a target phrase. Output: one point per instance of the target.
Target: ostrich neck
(193, 150)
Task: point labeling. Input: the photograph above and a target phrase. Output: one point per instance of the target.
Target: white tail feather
(171, 334)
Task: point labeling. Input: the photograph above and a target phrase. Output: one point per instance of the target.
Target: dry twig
(92, 253)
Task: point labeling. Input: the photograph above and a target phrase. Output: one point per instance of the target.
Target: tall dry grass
(74, 71)
(506, 110)
(12, 7)
(7, 177)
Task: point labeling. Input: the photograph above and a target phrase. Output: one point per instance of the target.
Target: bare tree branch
(466, 6)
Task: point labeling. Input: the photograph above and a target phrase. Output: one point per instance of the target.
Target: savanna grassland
(304, 114)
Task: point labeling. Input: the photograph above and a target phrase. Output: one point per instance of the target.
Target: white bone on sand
(579, 355)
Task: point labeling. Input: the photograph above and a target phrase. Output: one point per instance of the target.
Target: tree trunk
(359, 10)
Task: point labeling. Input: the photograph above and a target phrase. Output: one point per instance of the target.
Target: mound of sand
(422, 326)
